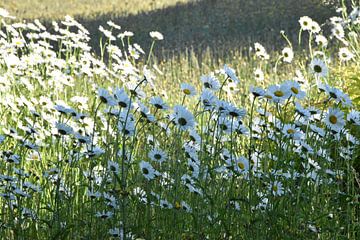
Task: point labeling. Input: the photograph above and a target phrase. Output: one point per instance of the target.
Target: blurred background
(216, 26)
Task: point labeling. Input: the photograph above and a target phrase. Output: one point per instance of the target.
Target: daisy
(157, 155)
(159, 103)
(345, 54)
(303, 112)
(287, 54)
(156, 35)
(122, 98)
(113, 167)
(186, 207)
(259, 75)
(242, 165)
(104, 214)
(321, 41)
(305, 23)
(210, 82)
(235, 112)
(112, 24)
(334, 119)
(208, 99)
(231, 73)
(354, 117)
(257, 91)
(276, 188)
(183, 118)
(148, 171)
(338, 31)
(318, 68)
(188, 89)
(106, 97)
(63, 128)
(315, 27)
(260, 51)
(295, 89)
(116, 233)
(291, 131)
(194, 136)
(279, 93)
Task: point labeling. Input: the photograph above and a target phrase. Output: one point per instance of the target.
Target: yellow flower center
(241, 165)
(187, 91)
(278, 93)
(295, 90)
(275, 188)
(290, 131)
(333, 119)
(177, 205)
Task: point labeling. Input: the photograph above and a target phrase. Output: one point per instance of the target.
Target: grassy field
(221, 25)
(204, 134)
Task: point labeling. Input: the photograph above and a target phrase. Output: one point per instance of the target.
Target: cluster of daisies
(111, 153)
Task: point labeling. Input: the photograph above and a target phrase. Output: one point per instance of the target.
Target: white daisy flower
(241, 165)
(210, 82)
(318, 68)
(156, 35)
(288, 54)
(183, 118)
(159, 103)
(148, 171)
(321, 41)
(295, 89)
(334, 119)
(188, 89)
(279, 93)
(157, 155)
(259, 75)
(231, 73)
(276, 188)
(63, 128)
(305, 23)
(345, 54)
(354, 117)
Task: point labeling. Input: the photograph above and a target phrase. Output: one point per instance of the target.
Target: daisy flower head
(334, 119)
(148, 171)
(122, 98)
(210, 82)
(188, 89)
(260, 51)
(158, 103)
(157, 155)
(338, 31)
(231, 73)
(318, 68)
(259, 75)
(305, 23)
(315, 27)
(276, 188)
(295, 89)
(354, 117)
(257, 91)
(63, 128)
(208, 99)
(278, 93)
(287, 54)
(291, 131)
(106, 97)
(321, 41)
(183, 118)
(242, 165)
(156, 35)
(345, 54)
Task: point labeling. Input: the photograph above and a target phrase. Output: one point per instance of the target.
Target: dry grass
(56, 9)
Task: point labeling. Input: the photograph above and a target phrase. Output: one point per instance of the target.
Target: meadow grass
(129, 145)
